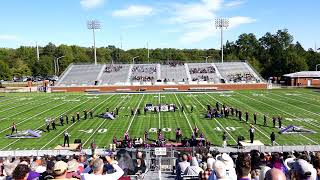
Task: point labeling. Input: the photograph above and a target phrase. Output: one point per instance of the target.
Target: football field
(298, 107)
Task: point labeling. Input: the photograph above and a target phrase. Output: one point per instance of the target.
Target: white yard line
(45, 124)
(72, 125)
(272, 107)
(216, 120)
(135, 112)
(183, 112)
(28, 109)
(102, 123)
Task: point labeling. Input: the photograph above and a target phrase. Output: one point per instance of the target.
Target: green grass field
(298, 107)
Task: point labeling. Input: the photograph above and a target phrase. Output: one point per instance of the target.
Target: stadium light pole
(317, 67)
(220, 24)
(94, 24)
(56, 65)
(134, 59)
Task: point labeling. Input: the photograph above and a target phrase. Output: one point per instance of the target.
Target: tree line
(271, 55)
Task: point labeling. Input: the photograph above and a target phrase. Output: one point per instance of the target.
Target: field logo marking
(227, 128)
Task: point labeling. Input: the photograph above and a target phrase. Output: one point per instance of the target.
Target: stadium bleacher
(147, 74)
(81, 75)
(237, 72)
(118, 74)
(203, 72)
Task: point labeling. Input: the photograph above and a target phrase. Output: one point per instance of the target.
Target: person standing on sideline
(66, 139)
(85, 113)
(264, 120)
(78, 116)
(224, 139)
(48, 121)
(93, 147)
(247, 116)
(280, 121)
(73, 118)
(67, 118)
(61, 120)
(272, 138)
(53, 123)
(274, 121)
(182, 108)
(14, 128)
(251, 132)
(91, 114)
(191, 108)
(240, 115)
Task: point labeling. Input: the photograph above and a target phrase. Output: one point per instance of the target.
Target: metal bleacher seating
(203, 72)
(115, 77)
(148, 74)
(139, 71)
(81, 75)
(173, 73)
(237, 72)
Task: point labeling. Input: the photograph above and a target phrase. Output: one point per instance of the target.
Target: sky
(156, 23)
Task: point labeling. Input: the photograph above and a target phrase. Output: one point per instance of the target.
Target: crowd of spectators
(143, 78)
(239, 77)
(111, 166)
(143, 73)
(112, 68)
(174, 63)
(143, 69)
(202, 70)
(246, 166)
(203, 165)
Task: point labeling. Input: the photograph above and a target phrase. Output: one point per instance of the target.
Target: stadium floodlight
(94, 24)
(134, 59)
(56, 65)
(221, 23)
(207, 57)
(317, 67)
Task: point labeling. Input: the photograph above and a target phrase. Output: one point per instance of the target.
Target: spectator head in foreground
(274, 174)
(243, 166)
(60, 170)
(97, 166)
(302, 170)
(21, 172)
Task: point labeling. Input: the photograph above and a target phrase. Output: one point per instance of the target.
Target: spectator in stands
(60, 170)
(72, 171)
(97, 169)
(194, 169)
(204, 175)
(139, 167)
(275, 174)
(243, 166)
(21, 172)
(301, 169)
(182, 166)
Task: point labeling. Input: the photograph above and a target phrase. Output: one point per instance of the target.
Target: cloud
(239, 20)
(235, 3)
(203, 10)
(91, 4)
(196, 19)
(133, 11)
(6, 37)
